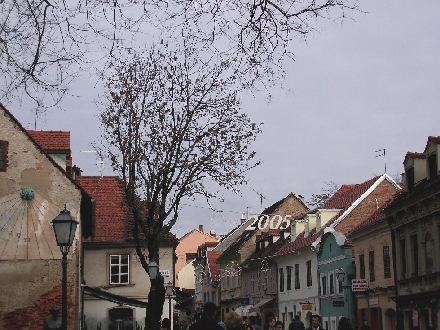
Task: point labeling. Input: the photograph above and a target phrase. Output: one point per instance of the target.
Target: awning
(260, 304)
(245, 310)
(99, 293)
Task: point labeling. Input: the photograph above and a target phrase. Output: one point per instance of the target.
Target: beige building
(414, 217)
(186, 252)
(116, 286)
(374, 264)
(34, 188)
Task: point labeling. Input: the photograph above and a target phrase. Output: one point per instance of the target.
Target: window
(371, 265)
(309, 272)
(332, 283)
(429, 253)
(403, 257)
(409, 176)
(3, 156)
(362, 265)
(415, 255)
(119, 269)
(432, 167)
(339, 286)
(281, 279)
(386, 262)
(297, 283)
(289, 277)
(323, 284)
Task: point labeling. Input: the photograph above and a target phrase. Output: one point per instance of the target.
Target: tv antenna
(380, 153)
(100, 162)
(261, 198)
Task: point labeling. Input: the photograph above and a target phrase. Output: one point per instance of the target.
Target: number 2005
(274, 222)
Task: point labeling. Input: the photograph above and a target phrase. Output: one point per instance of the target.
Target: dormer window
(432, 166)
(3, 155)
(409, 176)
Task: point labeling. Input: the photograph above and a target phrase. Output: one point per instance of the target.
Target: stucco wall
(30, 264)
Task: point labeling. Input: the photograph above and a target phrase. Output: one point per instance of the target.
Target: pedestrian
(344, 324)
(270, 325)
(253, 321)
(279, 325)
(54, 322)
(233, 321)
(207, 320)
(297, 324)
(246, 324)
(316, 323)
(365, 325)
(166, 324)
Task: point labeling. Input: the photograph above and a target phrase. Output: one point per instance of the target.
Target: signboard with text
(359, 284)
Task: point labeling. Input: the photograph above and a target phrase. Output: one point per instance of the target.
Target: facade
(34, 188)
(297, 258)
(414, 218)
(243, 247)
(259, 277)
(335, 295)
(207, 275)
(188, 244)
(116, 286)
(374, 264)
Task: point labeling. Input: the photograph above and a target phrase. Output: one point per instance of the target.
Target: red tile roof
(111, 213)
(113, 223)
(52, 140)
(348, 194)
(214, 267)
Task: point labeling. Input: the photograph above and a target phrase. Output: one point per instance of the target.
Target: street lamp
(170, 288)
(64, 226)
(153, 272)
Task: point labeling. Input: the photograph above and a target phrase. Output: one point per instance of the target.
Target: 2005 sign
(273, 221)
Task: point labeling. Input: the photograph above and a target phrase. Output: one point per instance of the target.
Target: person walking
(296, 324)
(344, 324)
(270, 325)
(246, 324)
(316, 323)
(233, 321)
(365, 325)
(208, 320)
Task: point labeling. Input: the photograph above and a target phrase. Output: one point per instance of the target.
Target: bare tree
(44, 44)
(317, 200)
(174, 127)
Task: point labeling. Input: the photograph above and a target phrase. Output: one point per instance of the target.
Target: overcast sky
(370, 83)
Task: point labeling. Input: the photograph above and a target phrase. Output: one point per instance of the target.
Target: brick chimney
(201, 228)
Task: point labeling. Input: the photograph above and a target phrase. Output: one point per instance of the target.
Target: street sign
(359, 285)
(306, 307)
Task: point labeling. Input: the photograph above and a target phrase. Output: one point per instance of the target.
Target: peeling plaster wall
(30, 261)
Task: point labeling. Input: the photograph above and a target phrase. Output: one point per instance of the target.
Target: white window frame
(119, 265)
(331, 281)
(321, 276)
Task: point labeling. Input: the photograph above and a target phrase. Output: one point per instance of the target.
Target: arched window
(120, 318)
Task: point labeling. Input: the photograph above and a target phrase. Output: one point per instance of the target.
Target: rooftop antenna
(100, 162)
(380, 153)
(261, 198)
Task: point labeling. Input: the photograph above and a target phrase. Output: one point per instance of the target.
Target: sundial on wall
(26, 231)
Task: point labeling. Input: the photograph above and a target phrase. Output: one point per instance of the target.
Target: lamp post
(153, 271)
(169, 287)
(64, 226)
